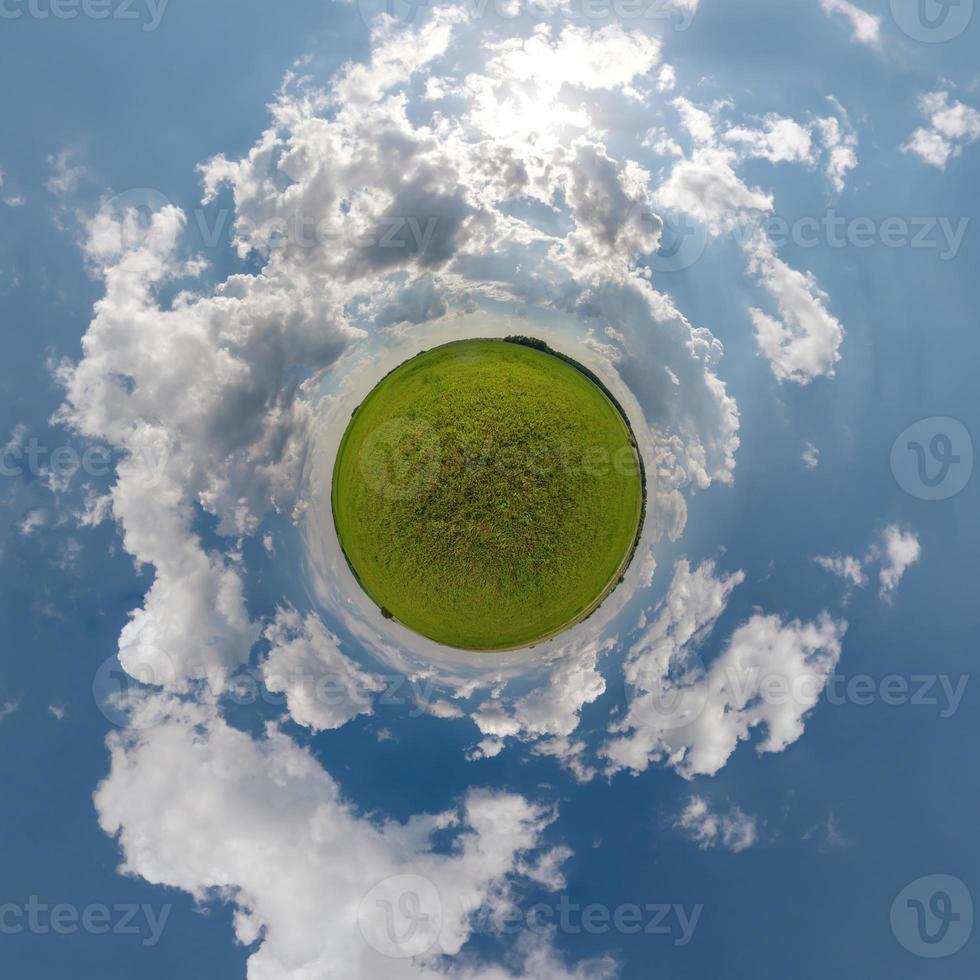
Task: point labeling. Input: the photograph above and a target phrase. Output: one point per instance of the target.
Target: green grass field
(487, 495)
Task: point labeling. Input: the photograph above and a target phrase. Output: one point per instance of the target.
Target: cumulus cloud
(780, 140)
(550, 710)
(951, 127)
(571, 754)
(865, 27)
(810, 456)
(733, 830)
(324, 688)
(258, 823)
(198, 394)
(803, 342)
(707, 187)
(691, 716)
(195, 393)
(454, 172)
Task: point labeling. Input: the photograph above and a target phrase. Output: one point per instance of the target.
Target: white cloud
(894, 550)
(780, 140)
(65, 175)
(33, 519)
(440, 708)
(258, 823)
(898, 550)
(840, 145)
(9, 707)
(803, 342)
(846, 567)
(324, 688)
(769, 675)
(810, 456)
(11, 200)
(569, 753)
(733, 830)
(553, 708)
(865, 27)
(194, 392)
(827, 835)
(198, 394)
(604, 59)
(952, 126)
(95, 508)
(550, 710)
(707, 187)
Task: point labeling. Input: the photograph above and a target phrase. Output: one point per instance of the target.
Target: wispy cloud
(733, 830)
(865, 27)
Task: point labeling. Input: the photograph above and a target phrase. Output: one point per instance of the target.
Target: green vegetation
(488, 494)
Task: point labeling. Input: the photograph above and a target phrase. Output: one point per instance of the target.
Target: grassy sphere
(488, 494)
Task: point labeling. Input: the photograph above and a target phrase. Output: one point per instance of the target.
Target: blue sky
(241, 828)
